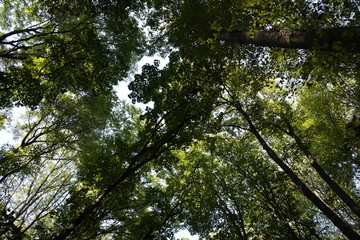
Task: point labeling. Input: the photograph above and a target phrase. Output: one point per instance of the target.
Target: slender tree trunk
(96, 204)
(332, 39)
(334, 218)
(147, 155)
(326, 177)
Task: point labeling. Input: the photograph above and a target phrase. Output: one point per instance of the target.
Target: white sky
(121, 88)
(6, 135)
(186, 234)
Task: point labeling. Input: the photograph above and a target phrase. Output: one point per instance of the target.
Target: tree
(233, 195)
(343, 226)
(62, 47)
(243, 92)
(36, 174)
(156, 138)
(228, 146)
(55, 126)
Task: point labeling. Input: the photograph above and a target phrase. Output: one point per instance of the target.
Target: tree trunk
(333, 217)
(332, 39)
(147, 154)
(326, 177)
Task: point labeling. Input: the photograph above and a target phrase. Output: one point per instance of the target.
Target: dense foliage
(252, 129)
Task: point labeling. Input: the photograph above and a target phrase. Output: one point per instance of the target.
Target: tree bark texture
(332, 39)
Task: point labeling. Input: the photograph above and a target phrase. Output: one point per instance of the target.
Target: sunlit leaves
(102, 169)
(65, 50)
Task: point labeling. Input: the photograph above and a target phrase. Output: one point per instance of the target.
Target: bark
(332, 39)
(333, 217)
(323, 174)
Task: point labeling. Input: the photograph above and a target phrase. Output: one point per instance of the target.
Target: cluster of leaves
(79, 47)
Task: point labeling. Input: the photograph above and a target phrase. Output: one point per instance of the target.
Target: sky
(121, 88)
(6, 135)
(186, 234)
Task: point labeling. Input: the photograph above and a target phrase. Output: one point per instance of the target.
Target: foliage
(240, 143)
(64, 47)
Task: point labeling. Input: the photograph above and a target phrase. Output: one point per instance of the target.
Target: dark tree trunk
(333, 217)
(332, 39)
(326, 177)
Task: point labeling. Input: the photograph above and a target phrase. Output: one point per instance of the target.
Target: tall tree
(223, 150)
(335, 219)
(232, 196)
(170, 124)
(36, 174)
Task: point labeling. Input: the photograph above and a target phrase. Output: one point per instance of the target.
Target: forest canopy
(253, 131)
